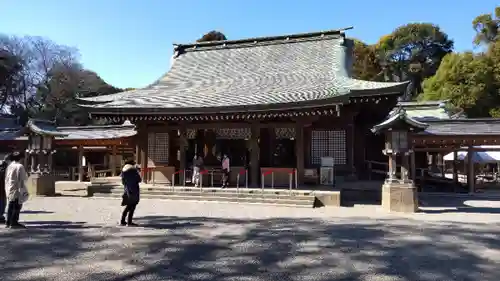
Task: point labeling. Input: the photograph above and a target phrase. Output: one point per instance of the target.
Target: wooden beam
(95, 142)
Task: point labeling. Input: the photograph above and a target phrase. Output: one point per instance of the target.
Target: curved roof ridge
(264, 38)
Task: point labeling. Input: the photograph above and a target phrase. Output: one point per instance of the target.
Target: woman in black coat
(130, 180)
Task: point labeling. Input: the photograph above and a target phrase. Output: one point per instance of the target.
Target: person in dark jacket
(3, 195)
(130, 179)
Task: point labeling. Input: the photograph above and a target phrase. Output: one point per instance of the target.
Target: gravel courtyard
(78, 239)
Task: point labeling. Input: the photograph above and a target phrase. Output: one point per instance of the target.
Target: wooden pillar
(182, 149)
(113, 161)
(143, 143)
(49, 162)
(137, 150)
(254, 155)
(440, 160)
(413, 166)
(471, 178)
(299, 152)
(80, 160)
(455, 168)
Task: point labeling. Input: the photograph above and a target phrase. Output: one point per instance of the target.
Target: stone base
(328, 198)
(400, 197)
(41, 185)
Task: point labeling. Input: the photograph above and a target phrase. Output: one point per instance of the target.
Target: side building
(83, 152)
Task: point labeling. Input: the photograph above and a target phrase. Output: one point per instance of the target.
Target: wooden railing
(422, 177)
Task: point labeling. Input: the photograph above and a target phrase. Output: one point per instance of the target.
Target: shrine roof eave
(44, 128)
(400, 118)
(463, 127)
(235, 109)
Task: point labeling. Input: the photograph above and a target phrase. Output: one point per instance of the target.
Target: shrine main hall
(272, 104)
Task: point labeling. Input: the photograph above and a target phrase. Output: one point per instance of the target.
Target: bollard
(238, 183)
(272, 180)
(296, 180)
(153, 177)
(246, 178)
(173, 180)
(183, 178)
(262, 182)
(201, 180)
(290, 178)
(212, 178)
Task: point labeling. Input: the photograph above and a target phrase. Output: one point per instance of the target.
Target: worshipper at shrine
(225, 171)
(16, 190)
(197, 166)
(3, 194)
(130, 180)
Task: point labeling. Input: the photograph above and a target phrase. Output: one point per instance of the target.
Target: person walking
(197, 166)
(15, 188)
(3, 194)
(225, 171)
(130, 180)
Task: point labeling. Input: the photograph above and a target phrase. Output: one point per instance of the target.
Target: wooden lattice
(284, 133)
(329, 144)
(158, 146)
(233, 133)
(191, 134)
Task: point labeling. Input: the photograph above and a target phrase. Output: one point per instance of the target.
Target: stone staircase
(281, 197)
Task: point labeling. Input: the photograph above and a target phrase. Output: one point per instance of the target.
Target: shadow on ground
(35, 212)
(205, 248)
(465, 204)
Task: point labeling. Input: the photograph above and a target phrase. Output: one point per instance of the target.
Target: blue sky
(129, 42)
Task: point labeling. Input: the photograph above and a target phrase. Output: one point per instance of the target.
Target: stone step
(109, 187)
(218, 194)
(271, 201)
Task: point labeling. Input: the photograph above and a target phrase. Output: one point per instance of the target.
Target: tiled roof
(44, 127)
(474, 126)
(67, 133)
(250, 74)
(98, 132)
(396, 118)
(425, 111)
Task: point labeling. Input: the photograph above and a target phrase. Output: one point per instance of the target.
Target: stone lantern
(399, 192)
(40, 151)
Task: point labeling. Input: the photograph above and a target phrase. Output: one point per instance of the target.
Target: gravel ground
(78, 239)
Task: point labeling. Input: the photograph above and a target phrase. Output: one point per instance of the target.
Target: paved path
(77, 239)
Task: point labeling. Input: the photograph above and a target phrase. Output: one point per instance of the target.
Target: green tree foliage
(467, 80)
(487, 27)
(413, 52)
(365, 62)
(212, 36)
(471, 81)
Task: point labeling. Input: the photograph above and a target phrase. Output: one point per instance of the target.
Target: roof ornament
(408, 93)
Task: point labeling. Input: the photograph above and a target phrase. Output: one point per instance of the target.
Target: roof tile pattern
(464, 127)
(98, 132)
(280, 71)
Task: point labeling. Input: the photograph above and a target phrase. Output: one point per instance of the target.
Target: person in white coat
(15, 188)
